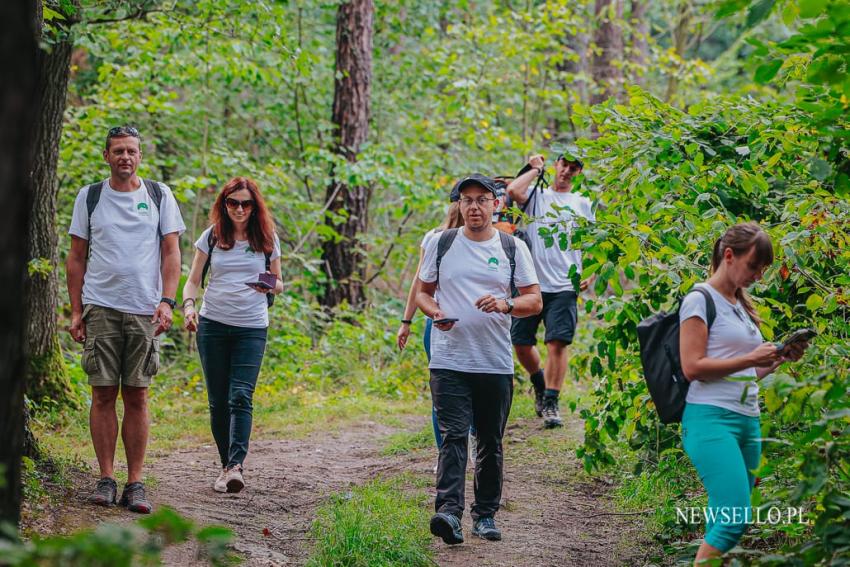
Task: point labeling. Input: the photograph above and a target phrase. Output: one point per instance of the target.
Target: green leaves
(767, 71)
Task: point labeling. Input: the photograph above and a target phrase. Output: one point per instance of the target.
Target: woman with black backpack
(721, 431)
(242, 253)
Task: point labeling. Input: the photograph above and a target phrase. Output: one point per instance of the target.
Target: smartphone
(265, 281)
(445, 320)
(797, 336)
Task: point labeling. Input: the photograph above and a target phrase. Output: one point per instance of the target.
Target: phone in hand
(445, 320)
(265, 281)
(797, 336)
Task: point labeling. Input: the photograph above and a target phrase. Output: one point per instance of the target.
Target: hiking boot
(447, 527)
(538, 402)
(220, 484)
(485, 528)
(551, 414)
(133, 498)
(233, 479)
(105, 493)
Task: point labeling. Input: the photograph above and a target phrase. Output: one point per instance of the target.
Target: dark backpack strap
(509, 246)
(92, 198)
(211, 242)
(155, 193)
(710, 309)
(447, 237)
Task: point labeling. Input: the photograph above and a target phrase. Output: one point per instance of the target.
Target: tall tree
(608, 50)
(18, 110)
(348, 205)
(48, 377)
(639, 48)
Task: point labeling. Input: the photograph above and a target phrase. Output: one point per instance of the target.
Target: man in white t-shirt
(471, 363)
(554, 211)
(122, 275)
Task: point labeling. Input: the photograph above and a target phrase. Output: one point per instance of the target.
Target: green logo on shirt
(493, 263)
(142, 209)
(249, 250)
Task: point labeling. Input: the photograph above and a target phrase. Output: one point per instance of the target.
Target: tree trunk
(343, 256)
(680, 40)
(48, 377)
(608, 55)
(640, 41)
(18, 112)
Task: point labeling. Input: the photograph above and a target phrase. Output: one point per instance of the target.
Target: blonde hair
(453, 217)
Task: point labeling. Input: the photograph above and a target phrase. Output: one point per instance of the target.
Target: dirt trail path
(549, 517)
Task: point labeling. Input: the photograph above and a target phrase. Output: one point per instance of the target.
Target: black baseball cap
(474, 179)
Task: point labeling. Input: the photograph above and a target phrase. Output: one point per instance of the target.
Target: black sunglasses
(123, 130)
(231, 203)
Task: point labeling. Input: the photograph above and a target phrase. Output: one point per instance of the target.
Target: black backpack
(211, 242)
(93, 198)
(662, 366)
(447, 237)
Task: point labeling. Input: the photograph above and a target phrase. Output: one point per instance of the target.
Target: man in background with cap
(553, 210)
(471, 360)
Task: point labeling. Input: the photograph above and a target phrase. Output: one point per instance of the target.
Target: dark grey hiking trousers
(463, 399)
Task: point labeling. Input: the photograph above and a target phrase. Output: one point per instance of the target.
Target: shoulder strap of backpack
(447, 237)
(509, 246)
(92, 198)
(710, 309)
(155, 193)
(211, 242)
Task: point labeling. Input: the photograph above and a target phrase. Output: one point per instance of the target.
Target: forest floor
(552, 514)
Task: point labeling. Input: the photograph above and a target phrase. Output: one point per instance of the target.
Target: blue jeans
(426, 342)
(231, 358)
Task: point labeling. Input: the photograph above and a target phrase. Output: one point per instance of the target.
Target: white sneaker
(233, 479)
(221, 482)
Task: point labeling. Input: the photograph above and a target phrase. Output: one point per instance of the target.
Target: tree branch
(390, 249)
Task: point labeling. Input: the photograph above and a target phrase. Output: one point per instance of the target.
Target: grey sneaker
(538, 402)
(134, 499)
(447, 527)
(220, 484)
(105, 492)
(485, 528)
(551, 414)
(233, 479)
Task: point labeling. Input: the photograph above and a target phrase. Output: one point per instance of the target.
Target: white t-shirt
(552, 263)
(478, 342)
(732, 334)
(123, 269)
(226, 298)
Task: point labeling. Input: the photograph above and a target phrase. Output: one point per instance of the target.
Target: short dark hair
(122, 132)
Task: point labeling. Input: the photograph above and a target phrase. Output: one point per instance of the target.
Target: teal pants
(725, 447)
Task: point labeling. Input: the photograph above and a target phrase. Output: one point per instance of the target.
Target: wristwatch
(510, 303)
(170, 302)
(407, 321)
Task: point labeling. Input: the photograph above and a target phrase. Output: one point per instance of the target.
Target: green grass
(406, 442)
(379, 524)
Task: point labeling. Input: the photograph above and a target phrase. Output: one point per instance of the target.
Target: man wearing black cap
(554, 210)
(471, 362)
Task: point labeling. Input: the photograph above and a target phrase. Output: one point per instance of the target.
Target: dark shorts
(559, 318)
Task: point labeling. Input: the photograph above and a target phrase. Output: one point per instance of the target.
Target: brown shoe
(234, 479)
(221, 482)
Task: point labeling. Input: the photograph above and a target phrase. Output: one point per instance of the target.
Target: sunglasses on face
(129, 130)
(236, 203)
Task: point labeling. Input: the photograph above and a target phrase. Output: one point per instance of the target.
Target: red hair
(260, 224)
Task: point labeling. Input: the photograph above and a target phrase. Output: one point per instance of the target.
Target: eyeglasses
(236, 203)
(746, 319)
(480, 201)
(123, 130)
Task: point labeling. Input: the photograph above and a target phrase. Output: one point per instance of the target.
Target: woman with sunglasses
(721, 432)
(234, 319)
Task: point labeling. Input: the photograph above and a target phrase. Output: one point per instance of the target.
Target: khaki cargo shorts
(120, 348)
